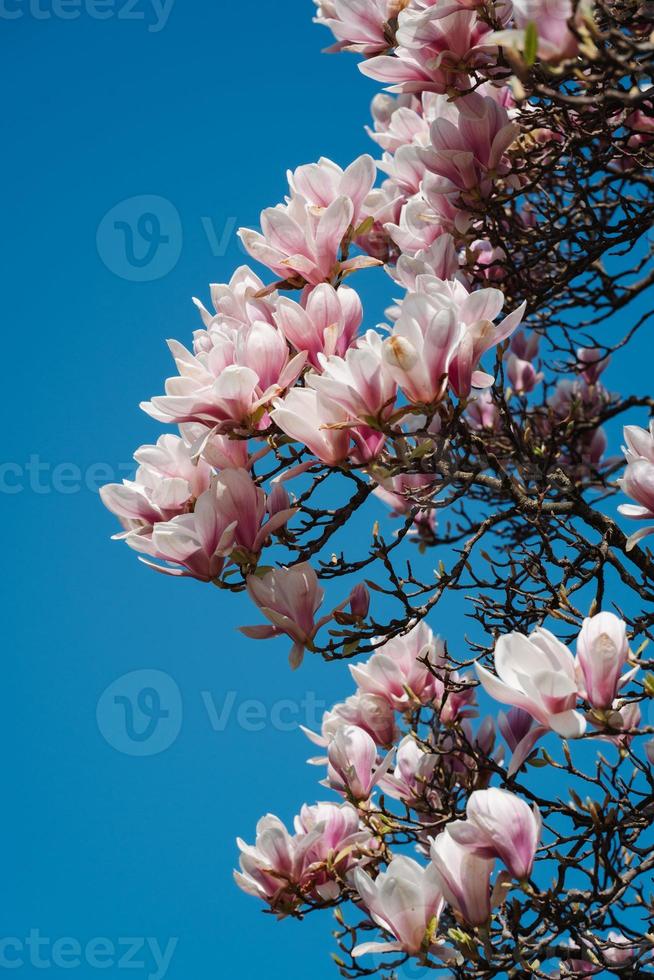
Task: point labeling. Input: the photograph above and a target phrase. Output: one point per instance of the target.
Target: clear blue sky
(207, 113)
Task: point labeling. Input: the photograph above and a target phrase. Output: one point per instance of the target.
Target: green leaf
(531, 43)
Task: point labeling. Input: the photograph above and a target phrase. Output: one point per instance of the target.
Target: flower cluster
(539, 675)
(406, 736)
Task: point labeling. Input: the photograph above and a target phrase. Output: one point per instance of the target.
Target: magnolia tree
(509, 200)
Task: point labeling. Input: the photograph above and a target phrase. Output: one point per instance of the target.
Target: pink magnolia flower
(199, 542)
(640, 443)
(290, 599)
(402, 120)
(522, 374)
(383, 206)
(550, 17)
(482, 412)
(232, 378)
(525, 345)
(167, 483)
(239, 301)
(310, 417)
(359, 25)
(436, 46)
(405, 900)
(440, 259)
(500, 825)
(338, 846)
(421, 223)
(272, 868)
(514, 726)
(602, 652)
(463, 878)
(219, 451)
(227, 520)
(326, 322)
(398, 670)
(353, 767)
(593, 362)
(619, 949)
(467, 152)
(421, 347)
(455, 697)
(322, 183)
(537, 674)
(370, 712)
(638, 483)
(359, 382)
(302, 239)
(440, 337)
(411, 777)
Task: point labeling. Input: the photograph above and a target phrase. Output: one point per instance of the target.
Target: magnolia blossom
(435, 46)
(370, 712)
(550, 18)
(403, 120)
(522, 374)
(360, 382)
(536, 673)
(593, 363)
(199, 542)
(403, 670)
(326, 322)
(226, 520)
(467, 152)
(359, 25)
(421, 224)
(232, 377)
(406, 901)
(602, 652)
(302, 239)
(482, 412)
(289, 598)
(335, 850)
(167, 483)
(271, 869)
(322, 183)
(411, 776)
(514, 726)
(311, 417)
(284, 869)
(239, 301)
(353, 767)
(640, 443)
(500, 825)
(440, 260)
(464, 878)
(440, 337)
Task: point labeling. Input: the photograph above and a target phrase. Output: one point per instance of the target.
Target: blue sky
(195, 111)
